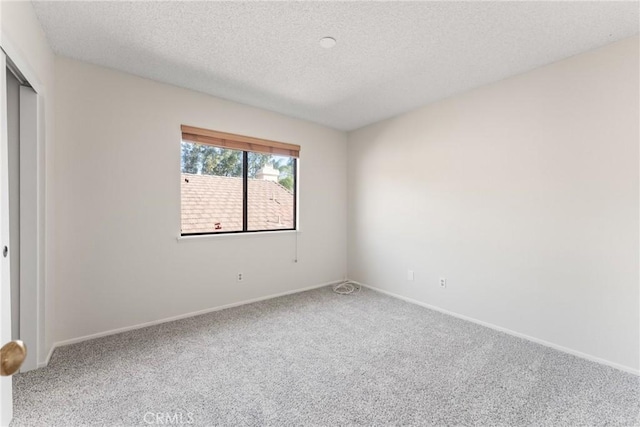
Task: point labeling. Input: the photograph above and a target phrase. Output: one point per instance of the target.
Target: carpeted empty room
(317, 358)
(311, 213)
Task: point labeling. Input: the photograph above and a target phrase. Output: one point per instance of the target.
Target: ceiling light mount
(327, 42)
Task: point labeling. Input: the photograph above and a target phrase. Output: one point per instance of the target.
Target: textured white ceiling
(391, 56)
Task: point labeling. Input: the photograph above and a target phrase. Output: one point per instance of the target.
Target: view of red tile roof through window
(213, 203)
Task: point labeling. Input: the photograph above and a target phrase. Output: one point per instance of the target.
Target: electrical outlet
(443, 282)
(240, 277)
(410, 275)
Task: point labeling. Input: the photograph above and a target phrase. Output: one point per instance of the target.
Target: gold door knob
(12, 354)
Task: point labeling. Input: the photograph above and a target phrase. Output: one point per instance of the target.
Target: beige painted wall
(523, 194)
(118, 195)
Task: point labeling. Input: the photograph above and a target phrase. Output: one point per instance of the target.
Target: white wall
(24, 41)
(118, 261)
(523, 194)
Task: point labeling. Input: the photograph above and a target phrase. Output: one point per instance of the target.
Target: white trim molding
(178, 317)
(214, 236)
(507, 331)
(20, 61)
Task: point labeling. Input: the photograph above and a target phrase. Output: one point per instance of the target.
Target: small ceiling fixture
(327, 42)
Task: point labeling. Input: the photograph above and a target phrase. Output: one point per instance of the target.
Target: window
(233, 184)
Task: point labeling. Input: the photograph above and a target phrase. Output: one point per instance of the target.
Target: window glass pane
(211, 189)
(270, 201)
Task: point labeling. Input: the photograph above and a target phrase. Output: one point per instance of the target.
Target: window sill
(183, 239)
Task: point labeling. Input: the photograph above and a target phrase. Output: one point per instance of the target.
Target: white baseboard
(173, 318)
(42, 364)
(507, 331)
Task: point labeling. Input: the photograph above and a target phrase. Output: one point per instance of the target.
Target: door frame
(37, 306)
(6, 392)
(29, 227)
